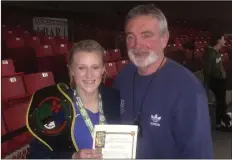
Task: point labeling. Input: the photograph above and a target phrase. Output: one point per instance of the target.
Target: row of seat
(13, 85)
(20, 47)
(110, 55)
(21, 86)
(9, 33)
(33, 41)
(58, 63)
(16, 94)
(12, 82)
(35, 38)
(40, 50)
(112, 68)
(36, 47)
(44, 58)
(51, 48)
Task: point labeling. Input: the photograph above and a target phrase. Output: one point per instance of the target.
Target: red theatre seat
(115, 55)
(49, 40)
(8, 34)
(111, 69)
(15, 42)
(12, 87)
(32, 41)
(61, 40)
(7, 67)
(60, 49)
(37, 81)
(43, 51)
(15, 116)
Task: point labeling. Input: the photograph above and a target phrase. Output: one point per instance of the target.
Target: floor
(222, 143)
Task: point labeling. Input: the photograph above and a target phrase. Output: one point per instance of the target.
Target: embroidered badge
(100, 139)
(51, 116)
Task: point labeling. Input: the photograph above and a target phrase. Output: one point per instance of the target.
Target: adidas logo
(155, 120)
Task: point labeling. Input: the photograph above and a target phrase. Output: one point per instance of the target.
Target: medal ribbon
(85, 115)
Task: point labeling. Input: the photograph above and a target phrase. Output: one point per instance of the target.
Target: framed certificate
(116, 141)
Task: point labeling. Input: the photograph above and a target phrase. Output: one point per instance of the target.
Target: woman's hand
(87, 154)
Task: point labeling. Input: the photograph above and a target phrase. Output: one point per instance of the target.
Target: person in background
(164, 99)
(62, 119)
(215, 80)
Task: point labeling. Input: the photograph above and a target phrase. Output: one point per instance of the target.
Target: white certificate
(116, 141)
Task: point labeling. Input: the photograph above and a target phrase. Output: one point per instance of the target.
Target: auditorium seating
(61, 40)
(15, 116)
(60, 49)
(111, 69)
(7, 67)
(43, 50)
(32, 41)
(115, 55)
(107, 57)
(35, 81)
(14, 42)
(12, 87)
(48, 40)
(34, 61)
(7, 34)
(17, 89)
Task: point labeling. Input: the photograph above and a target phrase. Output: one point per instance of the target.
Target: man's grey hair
(149, 9)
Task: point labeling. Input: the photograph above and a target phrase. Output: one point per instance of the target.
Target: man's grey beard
(150, 59)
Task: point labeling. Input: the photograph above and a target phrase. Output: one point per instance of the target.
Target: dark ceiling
(193, 9)
(109, 6)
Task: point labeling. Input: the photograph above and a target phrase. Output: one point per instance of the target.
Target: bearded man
(165, 100)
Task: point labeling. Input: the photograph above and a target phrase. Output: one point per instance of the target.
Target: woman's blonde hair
(83, 46)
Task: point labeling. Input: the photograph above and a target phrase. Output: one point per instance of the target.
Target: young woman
(62, 119)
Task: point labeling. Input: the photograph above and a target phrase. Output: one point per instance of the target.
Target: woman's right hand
(87, 154)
